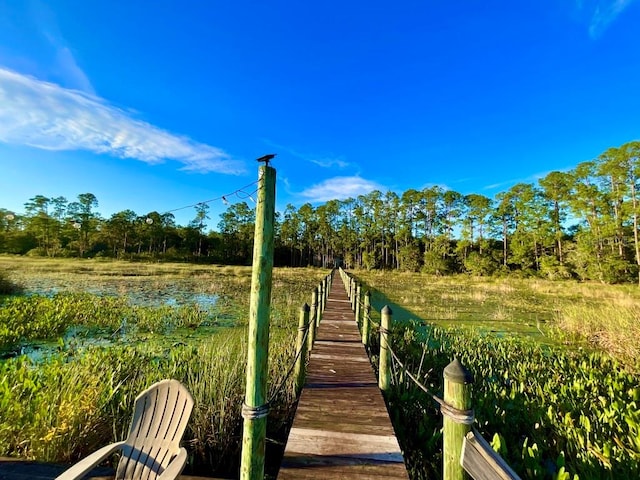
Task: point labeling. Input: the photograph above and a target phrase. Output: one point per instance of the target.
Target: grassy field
(556, 389)
(605, 317)
(63, 404)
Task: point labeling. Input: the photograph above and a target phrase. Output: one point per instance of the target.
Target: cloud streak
(46, 116)
(340, 188)
(601, 13)
(326, 161)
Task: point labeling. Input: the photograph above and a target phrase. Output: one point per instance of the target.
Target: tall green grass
(66, 407)
(69, 403)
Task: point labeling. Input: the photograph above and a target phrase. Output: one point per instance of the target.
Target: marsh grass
(605, 316)
(73, 401)
(613, 327)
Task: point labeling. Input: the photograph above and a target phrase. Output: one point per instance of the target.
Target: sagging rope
(253, 413)
(465, 417)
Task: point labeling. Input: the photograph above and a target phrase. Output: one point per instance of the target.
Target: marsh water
(155, 292)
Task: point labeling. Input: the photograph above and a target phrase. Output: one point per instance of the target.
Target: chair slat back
(159, 421)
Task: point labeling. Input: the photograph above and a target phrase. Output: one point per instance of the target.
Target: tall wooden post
(352, 290)
(255, 417)
(457, 394)
(301, 346)
(366, 318)
(358, 290)
(325, 293)
(312, 319)
(384, 367)
(319, 310)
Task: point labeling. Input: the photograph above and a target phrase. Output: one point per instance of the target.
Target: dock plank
(341, 427)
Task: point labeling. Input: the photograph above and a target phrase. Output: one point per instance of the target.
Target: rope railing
(464, 448)
(263, 410)
(465, 417)
(306, 329)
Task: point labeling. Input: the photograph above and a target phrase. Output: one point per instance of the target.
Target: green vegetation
(562, 400)
(574, 313)
(544, 408)
(580, 224)
(68, 402)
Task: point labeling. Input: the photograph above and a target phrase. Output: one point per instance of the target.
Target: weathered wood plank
(328, 442)
(482, 462)
(341, 428)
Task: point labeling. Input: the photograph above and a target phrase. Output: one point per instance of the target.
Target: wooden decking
(341, 428)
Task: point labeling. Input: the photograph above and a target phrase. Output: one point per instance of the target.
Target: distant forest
(577, 224)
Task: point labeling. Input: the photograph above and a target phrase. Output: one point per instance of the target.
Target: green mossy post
(384, 367)
(301, 346)
(318, 309)
(457, 394)
(366, 318)
(358, 290)
(313, 319)
(352, 292)
(254, 431)
(325, 291)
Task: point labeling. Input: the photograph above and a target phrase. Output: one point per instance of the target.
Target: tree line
(581, 223)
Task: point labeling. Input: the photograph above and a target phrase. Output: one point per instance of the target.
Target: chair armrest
(175, 466)
(85, 465)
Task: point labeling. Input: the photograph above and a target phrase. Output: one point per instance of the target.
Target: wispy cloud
(599, 14)
(326, 161)
(44, 115)
(339, 188)
(64, 61)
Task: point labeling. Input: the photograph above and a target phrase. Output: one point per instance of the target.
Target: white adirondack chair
(152, 449)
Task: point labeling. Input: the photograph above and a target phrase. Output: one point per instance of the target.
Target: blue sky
(157, 105)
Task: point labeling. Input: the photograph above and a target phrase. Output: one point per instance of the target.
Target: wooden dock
(341, 428)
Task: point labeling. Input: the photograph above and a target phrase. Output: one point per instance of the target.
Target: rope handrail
(263, 410)
(465, 417)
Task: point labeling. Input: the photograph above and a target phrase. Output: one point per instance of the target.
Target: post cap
(386, 310)
(367, 293)
(458, 373)
(305, 307)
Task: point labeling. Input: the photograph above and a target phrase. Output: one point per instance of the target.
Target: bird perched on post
(266, 158)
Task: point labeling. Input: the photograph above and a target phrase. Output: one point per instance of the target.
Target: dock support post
(304, 326)
(366, 318)
(384, 367)
(352, 293)
(312, 319)
(457, 394)
(358, 291)
(318, 307)
(325, 289)
(254, 409)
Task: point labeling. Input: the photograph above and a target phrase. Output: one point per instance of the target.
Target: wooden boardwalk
(341, 428)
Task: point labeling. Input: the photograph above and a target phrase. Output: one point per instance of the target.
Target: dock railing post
(325, 289)
(366, 318)
(352, 293)
(318, 307)
(358, 296)
(457, 394)
(255, 409)
(312, 319)
(384, 367)
(304, 326)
